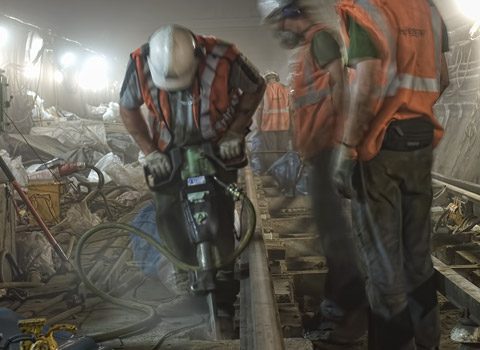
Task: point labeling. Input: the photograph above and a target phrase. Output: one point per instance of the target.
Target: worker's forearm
(364, 96)
(138, 128)
(245, 109)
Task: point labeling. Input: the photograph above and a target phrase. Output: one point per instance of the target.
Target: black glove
(343, 171)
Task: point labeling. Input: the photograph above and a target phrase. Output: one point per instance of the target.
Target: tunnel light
(58, 76)
(67, 60)
(32, 71)
(3, 36)
(470, 8)
(94, 74)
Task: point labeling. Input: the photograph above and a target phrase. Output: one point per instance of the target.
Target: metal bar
(267, 331)
(468, 186)
(458, 290)
(471, 195)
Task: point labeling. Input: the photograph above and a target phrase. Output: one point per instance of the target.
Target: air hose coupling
(235, 191)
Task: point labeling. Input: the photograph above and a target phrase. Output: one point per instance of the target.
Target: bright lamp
(94, 74)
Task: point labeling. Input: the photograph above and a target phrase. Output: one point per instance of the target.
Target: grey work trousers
(344, 287)
(174, 233)
(391, 215)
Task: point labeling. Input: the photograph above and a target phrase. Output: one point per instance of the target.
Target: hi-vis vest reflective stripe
(408, 36)
(213, 105)
(276, 115)
(315, 126)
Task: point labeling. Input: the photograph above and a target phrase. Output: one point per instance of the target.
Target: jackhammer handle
(176, 158)
(237, 163)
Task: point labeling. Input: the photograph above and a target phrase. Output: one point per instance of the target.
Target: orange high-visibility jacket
(213, 105)
(314, 123)
(276, 114)
(408, 37)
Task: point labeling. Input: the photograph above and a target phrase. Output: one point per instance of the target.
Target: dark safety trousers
(344, 287)
(391, 215)
(174, 235)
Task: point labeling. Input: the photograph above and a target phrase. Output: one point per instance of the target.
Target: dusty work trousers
(175, 236)
(391, 215)
(275, 142)
(344, 287)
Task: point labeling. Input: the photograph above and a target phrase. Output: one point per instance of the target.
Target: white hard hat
(271, 73)
(172, 57)
(270, 8)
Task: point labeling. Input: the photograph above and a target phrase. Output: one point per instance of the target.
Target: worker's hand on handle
(231, 145)
(343, 171)
(159, 164)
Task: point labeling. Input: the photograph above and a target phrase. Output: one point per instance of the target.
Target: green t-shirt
(325, 48)
(362, 47)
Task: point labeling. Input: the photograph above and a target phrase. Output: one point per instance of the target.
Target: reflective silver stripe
(163, 133)
(312, 97)
(274, 111)
(407, 81)
(228, 115)
(206, 88)
(391, 86)
(437, 32)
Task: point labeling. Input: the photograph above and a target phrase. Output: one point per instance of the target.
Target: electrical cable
(4, 256)
(163, 249)
(93, 194)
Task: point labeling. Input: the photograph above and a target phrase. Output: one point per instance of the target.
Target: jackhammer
(197, 168)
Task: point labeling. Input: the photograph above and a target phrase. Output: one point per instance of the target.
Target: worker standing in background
(197, 89)
(386, 159)
(273, 122)
(319, 87)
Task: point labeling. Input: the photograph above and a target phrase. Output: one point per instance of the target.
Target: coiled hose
(125, 331)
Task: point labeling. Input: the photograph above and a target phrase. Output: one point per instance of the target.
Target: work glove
(231, 145)
(159, 164)
(343, 171)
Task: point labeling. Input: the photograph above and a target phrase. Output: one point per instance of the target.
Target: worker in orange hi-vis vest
(320, 85)
(272, 121)
(198, 89)
(385, 162)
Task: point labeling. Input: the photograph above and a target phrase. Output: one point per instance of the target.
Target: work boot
(339, 329)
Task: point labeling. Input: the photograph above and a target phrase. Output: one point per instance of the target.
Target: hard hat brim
(178, 83)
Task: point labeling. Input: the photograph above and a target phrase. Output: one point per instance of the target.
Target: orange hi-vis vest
(314, 123)
(213, 103)
(408, 37)
(276, 113)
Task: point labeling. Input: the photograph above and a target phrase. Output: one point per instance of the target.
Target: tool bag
(408, 135)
